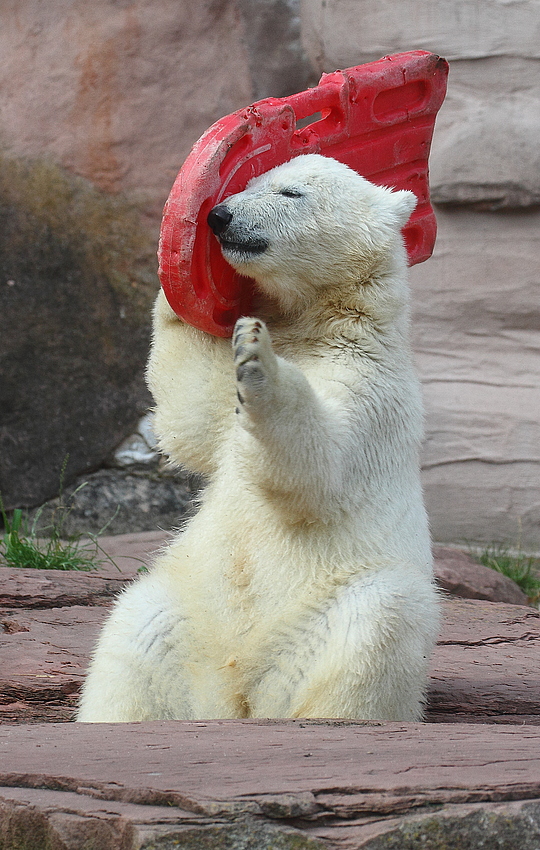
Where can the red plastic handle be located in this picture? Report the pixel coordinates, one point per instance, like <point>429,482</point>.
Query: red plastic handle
<point>377,118</point>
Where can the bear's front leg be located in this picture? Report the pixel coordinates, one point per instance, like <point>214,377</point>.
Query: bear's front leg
<point>298,442</point>
<point>190,376</point>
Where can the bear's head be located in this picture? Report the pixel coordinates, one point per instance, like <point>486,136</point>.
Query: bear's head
<point>313,225</point>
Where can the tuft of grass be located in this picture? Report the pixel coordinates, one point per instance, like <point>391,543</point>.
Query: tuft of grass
<point>523,569</point>
<point>48,548</point>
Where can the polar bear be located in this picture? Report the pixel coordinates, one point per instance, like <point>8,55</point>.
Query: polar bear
<point>303,586</point>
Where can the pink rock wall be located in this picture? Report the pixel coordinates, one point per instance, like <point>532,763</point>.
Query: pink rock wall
<point>118,92</point>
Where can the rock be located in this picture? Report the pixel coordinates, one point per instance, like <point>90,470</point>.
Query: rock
<point>122,501</point>
<point>119,560</point>
<point>55,589</point>
<point>474,334</point>
<point>140,448</point>
<point>128,89</point>
<point>49,622</point>
<point>486,666</point>
<point>44,656</point>
<point>128,552</point>
<point>74,327</point>
<point>485,154</point>
<point>455,30</point>
<point>299,784</point>
<point>460,575</point>
<point>272,29</point>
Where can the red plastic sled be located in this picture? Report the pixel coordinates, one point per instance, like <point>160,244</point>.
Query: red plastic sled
<point>377,118</point>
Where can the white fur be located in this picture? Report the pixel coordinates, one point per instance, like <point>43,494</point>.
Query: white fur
<point>303,587</point>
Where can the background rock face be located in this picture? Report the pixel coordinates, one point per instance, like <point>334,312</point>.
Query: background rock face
<point>117,92</point>
<point>74,327</point>
<point>134,84</point>
<point>476,323</point>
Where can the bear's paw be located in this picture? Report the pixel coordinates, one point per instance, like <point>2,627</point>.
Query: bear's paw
<point>256,364</point>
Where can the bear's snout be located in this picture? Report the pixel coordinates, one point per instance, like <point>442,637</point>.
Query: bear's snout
<point>218,218</point>
<point>238,239</point>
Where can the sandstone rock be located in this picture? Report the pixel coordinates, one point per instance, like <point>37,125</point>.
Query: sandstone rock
<point>298,784</point>
<point>272,29</point>
<point>127,90</point>
<point>30,589</point>
<point>457,30</point>
<point>475,337</point>
<point>44,656</point>
<point>460,575</point>
<point>49,622</point>
<point>485,154</point>
<point>127,552</point>
<point>486,666</point>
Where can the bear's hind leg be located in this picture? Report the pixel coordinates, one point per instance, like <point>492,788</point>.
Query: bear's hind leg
<point>136,672</point>
<point>152,663</point>
<point>363,656</point>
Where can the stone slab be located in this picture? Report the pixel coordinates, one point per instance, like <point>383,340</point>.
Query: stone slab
<point>44,657</point>
<point>460,575</point>
<point>30,589</point>
<point>486,664</point>
<point>123,556</point>
<point>302,784</point>
<point>131,551</point>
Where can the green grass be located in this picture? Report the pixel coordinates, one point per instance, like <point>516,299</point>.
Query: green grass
<point>523,569</point>
<point>46,548</point>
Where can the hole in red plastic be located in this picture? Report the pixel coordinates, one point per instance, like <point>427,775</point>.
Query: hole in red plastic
<point>400,100</point>
<point>321,126</point>
<point>309,119</point>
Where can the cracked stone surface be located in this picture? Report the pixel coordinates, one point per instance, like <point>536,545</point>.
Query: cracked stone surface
<point>468,777</point>
<point>294,784</point>
<point>486,665</point>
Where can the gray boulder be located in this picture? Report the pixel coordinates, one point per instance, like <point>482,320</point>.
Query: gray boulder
<point>76,289</point>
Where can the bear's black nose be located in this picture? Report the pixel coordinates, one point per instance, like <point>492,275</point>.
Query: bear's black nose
<point>219,218</point>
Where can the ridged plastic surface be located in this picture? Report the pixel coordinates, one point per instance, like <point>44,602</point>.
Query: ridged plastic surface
<point>377,118</point>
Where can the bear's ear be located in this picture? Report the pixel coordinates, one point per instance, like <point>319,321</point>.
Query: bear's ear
<point>402,203</point>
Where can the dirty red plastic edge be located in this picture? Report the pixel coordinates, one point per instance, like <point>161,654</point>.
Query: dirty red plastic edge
<point>377,118</point>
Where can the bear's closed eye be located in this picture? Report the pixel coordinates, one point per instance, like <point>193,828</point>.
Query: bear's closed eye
<point>291,193</point>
